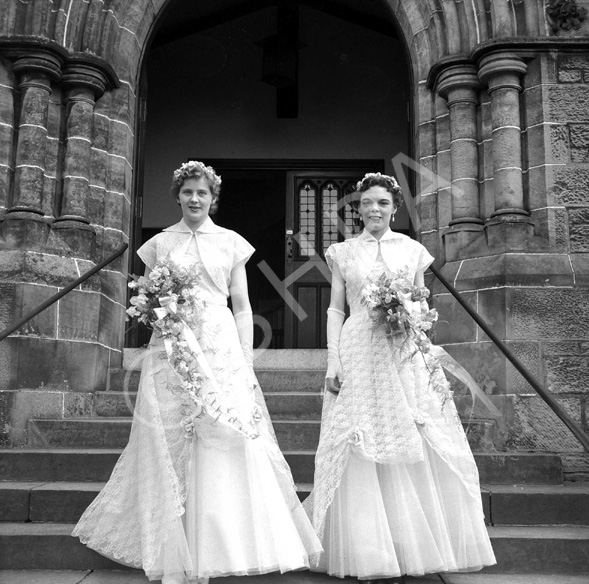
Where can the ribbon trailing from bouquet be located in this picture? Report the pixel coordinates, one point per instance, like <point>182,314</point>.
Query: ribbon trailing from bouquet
<point>457,370</point>
<point>208,403</point>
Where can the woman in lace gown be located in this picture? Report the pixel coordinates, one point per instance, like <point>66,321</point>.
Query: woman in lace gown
<point>396,488</point>
<point>220,501</point>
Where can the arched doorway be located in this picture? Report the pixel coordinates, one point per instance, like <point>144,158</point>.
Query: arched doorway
<point>268,93</point>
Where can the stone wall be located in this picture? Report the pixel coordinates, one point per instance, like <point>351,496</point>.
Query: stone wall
<point>66,154</point>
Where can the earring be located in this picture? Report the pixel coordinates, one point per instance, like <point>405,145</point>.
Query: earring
<point>392,217</point>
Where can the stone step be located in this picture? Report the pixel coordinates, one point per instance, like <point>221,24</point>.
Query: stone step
<point>555,550</point>
<point>114,433</point>
<point>59,502</point>
<point>64,502</point>
<point>292,434</point>
<point>282,406</point>
<point>77,464</point>
<point>271,380</point>
<point>95,465</point>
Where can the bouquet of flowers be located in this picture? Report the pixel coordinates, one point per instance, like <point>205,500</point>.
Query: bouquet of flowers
<point>390,302</point>
<point>167,300</point>
<point>168,295</point>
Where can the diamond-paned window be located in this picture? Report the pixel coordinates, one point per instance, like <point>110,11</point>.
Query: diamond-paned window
<point>331,217</point>
<point>307,219</point>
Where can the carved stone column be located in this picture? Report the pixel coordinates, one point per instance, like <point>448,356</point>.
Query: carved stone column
<point>510,223</point>
<point>459,84</point>
<point>24,224</point>
<point>84,83</point>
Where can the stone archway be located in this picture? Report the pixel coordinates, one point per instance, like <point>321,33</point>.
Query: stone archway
<point>488,77</point>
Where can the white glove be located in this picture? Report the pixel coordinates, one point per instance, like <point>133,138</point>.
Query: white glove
<point>335,321</point>
<point>245,330</point>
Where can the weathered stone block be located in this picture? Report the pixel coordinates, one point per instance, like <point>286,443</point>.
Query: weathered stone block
<point>79,316</point>
<point>111,323</point>
<point>76,405</point>
<point>575,466</point>
<point>23,405</point>
<point>580,155</point>
<point>454,324</point>
<point>485,364</point>
<point>442,136</point>
<point>29,297</point>
<point>111,241</point>
<point>571,186</point>
<point>427,138</point>
<point>578,62</point>
<point>552,225</point>
<point>579,135</point>
<point>116,179</point>
<point>6,106</point>
<point>95,204</point>
<point>117,139</point>
<point>5,182</point>
<point>100,129</point>
<point>574,76</point>
<point>98,167</point>
<point>549,313</point>
<point>567,374</point>
<point>568,103</point>
<point>77,162</point>
<point>54,114</point>
<point>579,230</point>
<point>535,106</point>
<point>113,209</point>
<point>580,262</point>
<point>529,355</point>
<point>428,211</point>
<point>559,144</point>
<point>48,269</point>
<point>536,427</point>
<point>59,364</point>
<point>560,348</point>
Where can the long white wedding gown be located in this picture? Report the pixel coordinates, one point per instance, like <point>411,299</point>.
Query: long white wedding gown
<point>396,487</point>
<point>188,509</point>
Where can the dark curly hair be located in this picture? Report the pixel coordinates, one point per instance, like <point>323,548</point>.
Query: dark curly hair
<point>389,183</point>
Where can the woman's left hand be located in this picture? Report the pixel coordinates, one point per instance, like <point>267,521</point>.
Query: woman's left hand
<point>332,385</point>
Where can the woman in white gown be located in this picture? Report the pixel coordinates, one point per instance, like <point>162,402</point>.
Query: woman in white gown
<point>396,488</point>
<point>220,501</point>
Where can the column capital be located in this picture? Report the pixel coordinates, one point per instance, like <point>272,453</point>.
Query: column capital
<point>502,70</point>
<point>458,83</point>
<point>89,72</point>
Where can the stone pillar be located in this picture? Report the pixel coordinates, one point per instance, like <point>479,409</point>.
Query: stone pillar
<point>24,224</point>
<point>510,225</point>
<point>84,84</point>
<point>459,85</point>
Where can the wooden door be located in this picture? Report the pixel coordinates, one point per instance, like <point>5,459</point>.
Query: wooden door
<point>318,213</point>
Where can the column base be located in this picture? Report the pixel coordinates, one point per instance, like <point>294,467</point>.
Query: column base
<point>510,230</point>
<point>24,230</point>
<point>467,233</point>
<point>74,237</point>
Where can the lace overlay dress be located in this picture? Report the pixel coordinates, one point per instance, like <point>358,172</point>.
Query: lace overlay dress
<point>396,488</point>
<point>220,503</point>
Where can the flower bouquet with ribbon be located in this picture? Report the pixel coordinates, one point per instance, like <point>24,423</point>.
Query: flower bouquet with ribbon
<point>391,302</point>
<point>167,300</point>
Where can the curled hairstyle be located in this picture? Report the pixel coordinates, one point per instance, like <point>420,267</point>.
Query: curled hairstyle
<point>196,169</point>
<point>389,183</point>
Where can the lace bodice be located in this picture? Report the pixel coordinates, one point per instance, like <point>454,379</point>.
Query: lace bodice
<point>356,259</point>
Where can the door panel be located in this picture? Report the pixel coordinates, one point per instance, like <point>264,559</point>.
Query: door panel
<point>319,212</point>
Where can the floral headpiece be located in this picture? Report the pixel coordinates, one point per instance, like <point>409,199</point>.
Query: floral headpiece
<point>195,168</point>
<point>374,177</point>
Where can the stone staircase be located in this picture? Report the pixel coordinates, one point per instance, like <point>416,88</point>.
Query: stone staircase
<point>538,524</point>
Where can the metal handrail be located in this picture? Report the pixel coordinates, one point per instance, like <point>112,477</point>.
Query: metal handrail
<point>16,325</point>
<point>546,395</point>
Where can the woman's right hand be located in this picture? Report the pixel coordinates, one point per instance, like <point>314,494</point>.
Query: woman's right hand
<point>332,385</point>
